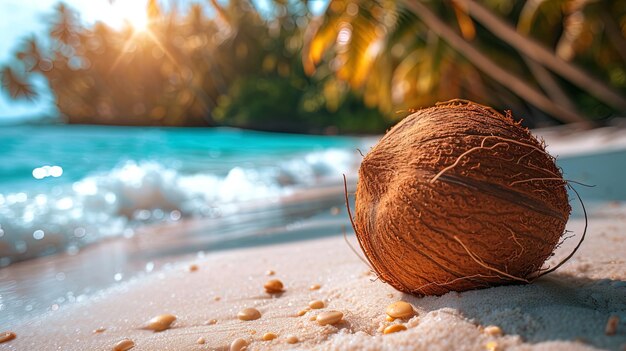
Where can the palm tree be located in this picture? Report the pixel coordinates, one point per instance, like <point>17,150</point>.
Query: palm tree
<point>412,53</point>
<point>238,68</point>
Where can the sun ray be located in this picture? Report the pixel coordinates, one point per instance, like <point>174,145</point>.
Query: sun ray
<point>127,45</point>
<point>142,30</point>
<point>160,45</point>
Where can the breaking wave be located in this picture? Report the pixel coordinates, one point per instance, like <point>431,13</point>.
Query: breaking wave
<point>136,193</point>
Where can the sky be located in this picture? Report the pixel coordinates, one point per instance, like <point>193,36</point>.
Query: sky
<point>20,18</point>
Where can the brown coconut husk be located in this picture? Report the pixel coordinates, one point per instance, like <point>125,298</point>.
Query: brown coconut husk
<point>459,197</point>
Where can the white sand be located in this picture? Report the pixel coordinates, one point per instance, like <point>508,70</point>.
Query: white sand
<point>567,310</point>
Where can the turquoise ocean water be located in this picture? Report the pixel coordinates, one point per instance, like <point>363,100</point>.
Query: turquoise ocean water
<point>62,187</point>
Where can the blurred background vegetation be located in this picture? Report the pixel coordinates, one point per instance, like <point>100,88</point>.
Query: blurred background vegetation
<point>357,68</point>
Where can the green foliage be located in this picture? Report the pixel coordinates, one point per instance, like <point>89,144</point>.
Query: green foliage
<point>409,54</point>
<point>296,107</point>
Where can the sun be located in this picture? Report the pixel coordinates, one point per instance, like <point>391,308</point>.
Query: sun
<point>133,12</point>
<point>129,12</point>
<point>139,23</point>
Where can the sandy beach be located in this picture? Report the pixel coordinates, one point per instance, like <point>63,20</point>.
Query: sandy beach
<point>567,310</point>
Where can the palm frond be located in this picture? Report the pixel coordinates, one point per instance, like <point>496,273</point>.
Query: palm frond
<point>30,54</point>
<point>16,86</point>
<point>65,27</point>
<point>531,49</point>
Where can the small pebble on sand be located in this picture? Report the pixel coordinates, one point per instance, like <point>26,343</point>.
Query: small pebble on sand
<point>492,346</point>
<point>273,286</point>
<point>269,336</point>
<point>493,330</point>
<point>394,328</point>
<point>161,322</point>
<point>329,317</point>
<point>611,325</point>
<point>124,345</point>
<point>249,314</point>
<point>316,304</point>
<point>400,309</point>
<point>7,336</point>
<point>238,344</point>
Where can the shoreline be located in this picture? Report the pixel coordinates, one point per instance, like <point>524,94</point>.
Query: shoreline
<point>36,286</point>
<point>566,310</point>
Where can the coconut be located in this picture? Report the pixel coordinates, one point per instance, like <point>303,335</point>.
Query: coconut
<point>456,197</point>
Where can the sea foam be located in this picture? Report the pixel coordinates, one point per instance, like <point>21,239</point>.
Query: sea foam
<point>137,193</point>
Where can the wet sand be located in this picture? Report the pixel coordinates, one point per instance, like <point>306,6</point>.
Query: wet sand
<point>30,288</point>
<point>566,310</point>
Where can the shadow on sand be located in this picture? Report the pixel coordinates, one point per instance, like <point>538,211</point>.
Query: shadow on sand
<point>556,307</point>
